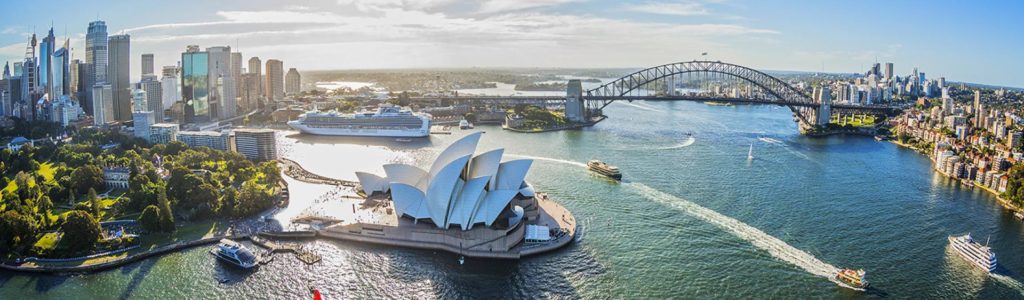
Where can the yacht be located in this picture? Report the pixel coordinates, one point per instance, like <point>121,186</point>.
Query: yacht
<point>974,252</point>
<point>852,278</point>
<point>234,253</point>
<point>604,169</point>
<point>387,121</point>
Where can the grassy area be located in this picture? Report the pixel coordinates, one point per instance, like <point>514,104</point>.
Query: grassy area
<point>45,169</point>
<point>48,241</point>
<point>855,121</point>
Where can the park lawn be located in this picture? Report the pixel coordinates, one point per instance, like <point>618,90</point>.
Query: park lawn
<point>46,169</point>
<point>48,241</point>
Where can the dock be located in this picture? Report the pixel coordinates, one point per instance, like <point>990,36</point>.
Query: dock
<point>306,256</point>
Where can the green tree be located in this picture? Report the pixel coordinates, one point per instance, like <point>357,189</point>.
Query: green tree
<point>81,231</point>
<point>166,215</point>
<point>43,208</point>
<point>150,219</point>
<point>16,230</point>
<point>87,177</point>
<point>94,203</point>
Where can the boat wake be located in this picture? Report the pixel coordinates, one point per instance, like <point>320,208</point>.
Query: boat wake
<point>548,159</point>
<point>689,141</point>
<point>643,107</point>
<point>769,140</point>
<point>1009,281</point>
<point>774,246</point>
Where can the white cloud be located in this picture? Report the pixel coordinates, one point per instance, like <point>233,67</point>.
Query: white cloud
<point>497,6</point>
<point>682,8</point>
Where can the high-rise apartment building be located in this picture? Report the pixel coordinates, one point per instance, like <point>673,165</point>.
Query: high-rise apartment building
<point>274,85</point>
<point>147,64</point>
<point>154,96</point>
<point>251,92</point>
<point>118,72</point>
<point>292,82</point>
<point>222,82</point>
<point>169,87</point>
<point>888,71</point>
<point>256,144</point>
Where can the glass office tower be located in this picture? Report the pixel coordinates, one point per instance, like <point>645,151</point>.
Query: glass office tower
<point>195,85</point>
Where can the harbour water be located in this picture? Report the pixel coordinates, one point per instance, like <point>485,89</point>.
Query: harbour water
<point>693,218</point>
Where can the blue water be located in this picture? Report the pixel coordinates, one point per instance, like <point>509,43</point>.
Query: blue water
<point>693,218</point>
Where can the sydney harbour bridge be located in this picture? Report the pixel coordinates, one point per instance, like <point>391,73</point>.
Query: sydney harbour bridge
<point>700,81</point>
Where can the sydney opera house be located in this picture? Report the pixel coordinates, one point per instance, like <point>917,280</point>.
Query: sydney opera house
<point>467,203</point>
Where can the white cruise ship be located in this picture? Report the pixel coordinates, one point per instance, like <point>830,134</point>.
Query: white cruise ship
<point>981,256</point>
<point>387,121</point>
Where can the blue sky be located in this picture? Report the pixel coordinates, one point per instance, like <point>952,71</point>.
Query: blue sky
<point>976,41</point>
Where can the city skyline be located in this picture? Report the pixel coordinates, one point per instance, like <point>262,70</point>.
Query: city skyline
<point>327,35</point>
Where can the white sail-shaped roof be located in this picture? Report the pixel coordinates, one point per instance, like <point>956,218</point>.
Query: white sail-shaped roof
<point>486,164</point>
<point>459,189</point>
<point>409,201</point>
<point>406,174</point>
<point>442,188</point>
<point>372,183</point>
<point>462,147</point>
<point>493,204</point>
<point>512,173</point>
<point>462,209</point>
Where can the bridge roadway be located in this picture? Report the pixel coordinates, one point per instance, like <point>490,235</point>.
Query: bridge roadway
<point>533,99</point>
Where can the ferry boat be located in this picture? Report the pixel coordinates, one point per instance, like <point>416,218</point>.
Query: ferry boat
<point>234,253</point>
<point>604,169</point>
<point>974,252</point>
<point>465,124</point>
<point>852,278</point>
<point>387,121</point>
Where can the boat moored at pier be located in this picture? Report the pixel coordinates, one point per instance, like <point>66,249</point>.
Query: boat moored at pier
<point>387,121</point>
<point>236,254</point>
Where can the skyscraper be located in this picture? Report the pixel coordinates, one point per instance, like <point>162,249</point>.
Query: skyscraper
<point>61,70</point>
<point>118,68</point>
<point>147,64</point>
<point>195,85</point>
<point>977,108</point>
<point>256,67</point>
<point>888,71</point>
<point>169,86</point>
<point>95,61</point>
<point>46,49</point>
<point>154,96</point>
<point>251,92</point>
<point>292,82</point>
<point>275,81</point>
<point>222,83</point>
<point>236,71</point>
<point>74,80</point>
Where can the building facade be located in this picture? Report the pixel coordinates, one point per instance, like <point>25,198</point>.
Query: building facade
<point>162,133</point>
<point>195,85</point>
<point>119,70</point>
<point>274,85</point>
<point>209,139</point>
<point>292,82</point>
<point>256,144</point>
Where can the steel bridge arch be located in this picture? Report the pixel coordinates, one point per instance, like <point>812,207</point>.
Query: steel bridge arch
<point>783,92</point>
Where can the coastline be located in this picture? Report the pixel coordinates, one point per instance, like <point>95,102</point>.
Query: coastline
<point>1005,203</point>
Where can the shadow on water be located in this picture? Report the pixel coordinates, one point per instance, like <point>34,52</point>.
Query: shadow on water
<point>142,270</point>
<point>45,283</point>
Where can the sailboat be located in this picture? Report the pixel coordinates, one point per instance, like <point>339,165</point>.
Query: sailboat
<point>750,153</point>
